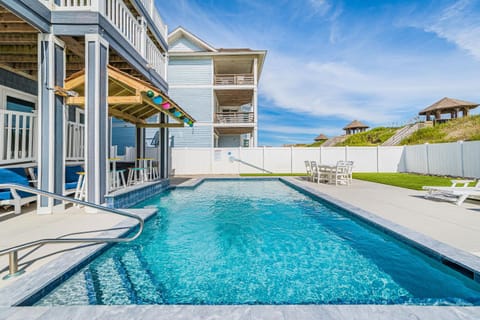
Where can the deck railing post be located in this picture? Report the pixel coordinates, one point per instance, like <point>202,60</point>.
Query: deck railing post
<point>13,265</point>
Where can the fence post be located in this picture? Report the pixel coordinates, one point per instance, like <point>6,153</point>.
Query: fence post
<point>378,159</point>
<point>321,152</point>
<point>346,153</point>
<point>263,158</point>
<point>462,166</point>
<point>291,159</point>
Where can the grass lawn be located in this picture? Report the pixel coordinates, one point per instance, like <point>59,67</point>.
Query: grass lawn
<point>404,180</point>
<point>272,174</point>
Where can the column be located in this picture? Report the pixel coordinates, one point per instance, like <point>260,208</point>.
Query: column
<point>140,141</point>
<point>96,118</point>
<point>255,103</point>
<point>163,148</point>
<point>51,166</point>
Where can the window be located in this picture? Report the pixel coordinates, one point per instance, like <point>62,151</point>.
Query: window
<point>15,104</point>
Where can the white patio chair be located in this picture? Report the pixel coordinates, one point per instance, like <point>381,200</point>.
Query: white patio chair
<point>340,174</point>
<point>309,170</point>
<point>350,171</point>
<point>314,168</point>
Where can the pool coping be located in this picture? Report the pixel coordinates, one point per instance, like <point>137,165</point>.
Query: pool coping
<point>371,312</point>
<point>30,285</point>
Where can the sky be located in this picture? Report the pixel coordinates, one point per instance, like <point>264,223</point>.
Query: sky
<point>330,62</point>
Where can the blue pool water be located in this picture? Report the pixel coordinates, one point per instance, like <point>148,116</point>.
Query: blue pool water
<point>260,242</point>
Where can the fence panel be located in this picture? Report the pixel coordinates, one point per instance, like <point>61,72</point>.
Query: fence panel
<point>300,155</point>
<point>416,159</point>
<point>444,159</point>
<point>277,160</point>
<point>364,158</point>
<point>191,161</point>
<point>471,159</point>
<point>252,160</point>
<point>391,159</point>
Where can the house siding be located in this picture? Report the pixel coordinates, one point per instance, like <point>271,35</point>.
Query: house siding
<point>183,45</point>
<point>195,137</point>
<point>190,72</point>
<point>15,81</point>
<point>197,101</point>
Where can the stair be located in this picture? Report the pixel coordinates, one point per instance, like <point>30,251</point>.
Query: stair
<point>333,141</point>
<point>403,133</point>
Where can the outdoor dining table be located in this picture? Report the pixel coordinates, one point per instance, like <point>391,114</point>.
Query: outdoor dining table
<point>325,172</point>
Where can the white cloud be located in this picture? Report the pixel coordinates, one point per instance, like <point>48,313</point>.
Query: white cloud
<point>459,25</point>
<point>329,131</point>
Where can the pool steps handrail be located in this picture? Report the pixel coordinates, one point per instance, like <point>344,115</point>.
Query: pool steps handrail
<point>13,251</point>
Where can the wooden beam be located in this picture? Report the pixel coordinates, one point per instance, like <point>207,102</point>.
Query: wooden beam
<point>17,28</point>
<point>161,125</point>
<point>18,49</point>
<point>125,117</point>
<point>23,74</point>
<point>128,100</point>
<point>12,58</point>
<point>75,46</point>
<point>6,17</point>
<point>16,39</point>
<point>75,82</point>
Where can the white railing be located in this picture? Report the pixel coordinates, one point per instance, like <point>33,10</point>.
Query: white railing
<point>234,79</point>
<point>118,13</point>
<point>75,144</point>
<point>234,117</point>
<point>17,138</point>
<point>155,58</point>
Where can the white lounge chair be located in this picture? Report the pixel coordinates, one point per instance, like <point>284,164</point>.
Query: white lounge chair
<point>458,192</point>
<point>12,197</point>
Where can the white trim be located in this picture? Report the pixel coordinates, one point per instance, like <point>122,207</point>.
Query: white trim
<point>194,86</point>
<point>189,36</point>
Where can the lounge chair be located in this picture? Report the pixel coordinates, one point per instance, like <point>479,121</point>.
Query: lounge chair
<point>458,192</point>
<point>71,177</point>
<point>11,197</point>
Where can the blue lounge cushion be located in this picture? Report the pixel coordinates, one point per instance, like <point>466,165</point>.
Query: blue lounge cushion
<point>13,175</point>
<point>71,174</point>
<point>71,185</point>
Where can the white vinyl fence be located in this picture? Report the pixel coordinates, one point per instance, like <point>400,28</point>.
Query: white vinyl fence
<point>459,159</point>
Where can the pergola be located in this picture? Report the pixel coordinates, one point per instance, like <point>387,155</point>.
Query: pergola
<point>448,106</point>
<point>355,127</point>
<point>321,137</point>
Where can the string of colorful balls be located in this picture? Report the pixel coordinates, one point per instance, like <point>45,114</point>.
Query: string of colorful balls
<point>168,106</point>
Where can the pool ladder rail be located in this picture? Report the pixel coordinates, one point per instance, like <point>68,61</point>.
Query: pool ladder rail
<point>13,251</point>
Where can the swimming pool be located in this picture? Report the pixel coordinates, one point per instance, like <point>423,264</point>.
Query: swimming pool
<point>261,242</point>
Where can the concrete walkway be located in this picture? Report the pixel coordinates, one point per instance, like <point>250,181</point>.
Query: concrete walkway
<point>458,226</point>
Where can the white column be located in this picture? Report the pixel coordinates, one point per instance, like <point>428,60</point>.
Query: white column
<point>255,103</point>
<point>51,154</point>
<point>96,117</point>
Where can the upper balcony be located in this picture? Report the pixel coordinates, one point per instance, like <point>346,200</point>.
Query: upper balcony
<point>128,18</point>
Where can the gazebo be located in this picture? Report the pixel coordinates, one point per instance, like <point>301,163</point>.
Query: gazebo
<point>321,137</point>
<point>355,127</point>
<point>448,106</point>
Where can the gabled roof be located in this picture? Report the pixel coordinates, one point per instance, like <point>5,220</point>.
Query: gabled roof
<point>449,103</point>
<point>129,99</point>
<point>321,137</point>
<point>181,32</point>
<point>355,124</point>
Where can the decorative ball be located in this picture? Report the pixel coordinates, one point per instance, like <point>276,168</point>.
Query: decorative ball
<point>186,120</point>
<point>157,100</point>
<point>191,124</point>
<point>150,93</point>
<point>177,114</point>
<point>166,105</point>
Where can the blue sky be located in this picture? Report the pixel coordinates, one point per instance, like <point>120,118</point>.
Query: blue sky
<point>330,62</point>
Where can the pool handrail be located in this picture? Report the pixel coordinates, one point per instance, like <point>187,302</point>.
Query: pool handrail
<point>13,251</point>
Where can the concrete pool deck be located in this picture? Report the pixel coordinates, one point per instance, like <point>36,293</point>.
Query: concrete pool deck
<point>457,226</point>
<point>445,222</point>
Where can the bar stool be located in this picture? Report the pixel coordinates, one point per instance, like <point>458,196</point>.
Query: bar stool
<point>117,177</point>
<point>135,175</point>
<point>81,186</point>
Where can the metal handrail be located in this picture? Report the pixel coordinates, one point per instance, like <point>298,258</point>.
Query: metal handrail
<point>13,251</point>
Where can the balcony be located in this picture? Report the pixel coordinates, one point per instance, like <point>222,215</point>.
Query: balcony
<point>131,26</point>
<point>234,79</point>
<point>234,117</point>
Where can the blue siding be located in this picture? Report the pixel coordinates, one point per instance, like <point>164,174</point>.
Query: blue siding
<point>183,45</point>
<point>198,136</point>
<point>190,72</point>
<point>196,101</point>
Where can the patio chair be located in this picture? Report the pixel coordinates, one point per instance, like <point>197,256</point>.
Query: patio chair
<point>350,171</point>
<point>309,170</point>
<point>314,170</point>
<point>458,192</point>
<point>340,174</point>
<point>13,197</point>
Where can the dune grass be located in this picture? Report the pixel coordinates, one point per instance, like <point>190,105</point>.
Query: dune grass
<point>404,180</point>
<point>372,137</point>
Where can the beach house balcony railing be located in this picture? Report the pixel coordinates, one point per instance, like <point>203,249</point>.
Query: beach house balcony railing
<point>17,138</point>
<point>234,79</point>
<point>75,146</point>
<point>234,117</point>
<point>129,25</point>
